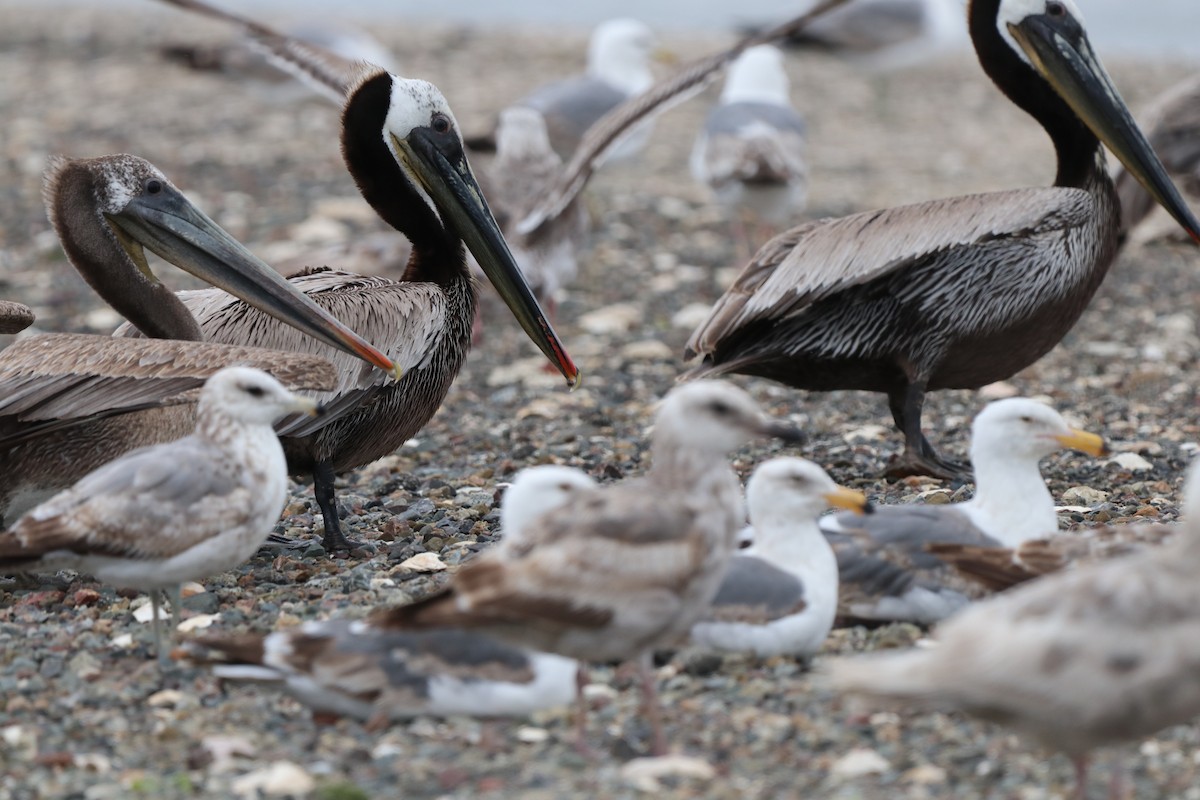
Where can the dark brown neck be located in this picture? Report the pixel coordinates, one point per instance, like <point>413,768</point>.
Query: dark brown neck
<point>437,254</point>
<point>1074,143</point>
<point>91,246</point>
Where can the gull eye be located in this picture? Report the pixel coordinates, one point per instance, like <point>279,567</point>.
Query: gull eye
<point>440,123</point>
<point>720,408</point>
<point>153,186</point>
<point>254,391</point>
<point>1026,418</point>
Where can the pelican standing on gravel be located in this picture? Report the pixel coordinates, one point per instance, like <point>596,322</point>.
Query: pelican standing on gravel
<point>621,569</point>
<point>162,515</point>
<point>750,152</point>
<point>954,293</point>
<point>402,146</point>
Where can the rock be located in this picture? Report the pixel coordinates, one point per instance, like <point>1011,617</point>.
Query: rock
<point>203,603</point>
<point>998,391</point>
<point>280,779</point>
<point>647,350</point>
<point>690,316</point>
<point>223,751</point>
<point>1084,495</point>
<point>1131,462</point>
<point>423,562</point>
<point>616,318</point>
<point>643,774</point>
<point>198,622</point>
<point>531,735</point>
<point>858,762</point>
<point>866,433</point>
<point>85,666</point>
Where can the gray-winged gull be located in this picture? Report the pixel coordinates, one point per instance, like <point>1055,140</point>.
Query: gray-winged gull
<point>886,571</point>
<point>621,569</point>
<point>1097,656</point>
<point>173,512</point>
<point>620,52</point>
<point>780,596</point>
<point>750,152</point>
<point>355,669</point>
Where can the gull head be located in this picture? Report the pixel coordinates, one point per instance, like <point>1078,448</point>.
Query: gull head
<point>716,417</point>
<point>536,491</point>
<point>250,396</point>
<point>1025,430</point>
<point>798,490</point>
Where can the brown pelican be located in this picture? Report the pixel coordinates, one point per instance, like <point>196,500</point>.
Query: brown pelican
<point>954,293</point>
<point>750,152</point>
<point>402,146</point>
<point>1173,128</point>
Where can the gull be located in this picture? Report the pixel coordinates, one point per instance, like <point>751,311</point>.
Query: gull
<point>780,597</point>
<point>750,152</point>
<point>174,512</point>
<point>523,169</point>
<point>621,569</point>
<point>886,571</point>
<point>888,34</point>
<point>1079,660</point>
<point>618,68</point>
<point>999,568</point>
<point>352,668</point>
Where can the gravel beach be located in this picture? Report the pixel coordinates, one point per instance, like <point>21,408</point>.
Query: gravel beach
<point>83,712</point>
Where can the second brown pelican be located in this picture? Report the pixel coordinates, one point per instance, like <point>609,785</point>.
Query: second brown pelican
<point>402,146</point>
<point>954,293</point>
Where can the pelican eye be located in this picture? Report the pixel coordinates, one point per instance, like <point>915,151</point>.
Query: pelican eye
<point>440,123</point>
<point>153,186</point>
<point>1056,9</point>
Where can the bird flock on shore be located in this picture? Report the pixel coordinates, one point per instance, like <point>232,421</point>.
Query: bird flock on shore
<point>160,455</point>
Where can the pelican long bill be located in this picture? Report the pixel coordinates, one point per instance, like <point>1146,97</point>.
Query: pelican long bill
<point>1060,50</point>
<point>168,224</point>
<point>453,187</point>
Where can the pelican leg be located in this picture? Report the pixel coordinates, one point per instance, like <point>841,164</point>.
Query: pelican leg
<point>919,457</point>
<point>323,488</point>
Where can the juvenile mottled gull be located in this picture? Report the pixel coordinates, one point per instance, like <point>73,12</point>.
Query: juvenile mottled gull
<point>359,670</point>
<point>750,151</point>
<point>1084,659</point>
<point>623,568</point>
<point>174,512</point>
<point>886,571</point>
<point>780,596</point>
